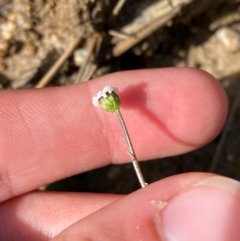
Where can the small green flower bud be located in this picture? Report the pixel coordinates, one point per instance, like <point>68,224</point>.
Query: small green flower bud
<point>111,102</point>
<point>107,99</point>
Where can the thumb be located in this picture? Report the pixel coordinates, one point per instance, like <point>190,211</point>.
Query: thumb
<point>181,208</point>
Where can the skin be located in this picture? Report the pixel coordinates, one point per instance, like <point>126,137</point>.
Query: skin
<point>53,133</point>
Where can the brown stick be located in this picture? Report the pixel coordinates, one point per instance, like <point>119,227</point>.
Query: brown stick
<point>90,48</point>
<point>56,66</point>
<point>125,45</point>
<point>118,34</point>
<point>118,7</point>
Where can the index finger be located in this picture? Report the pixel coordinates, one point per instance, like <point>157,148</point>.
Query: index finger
<point>53,133</point>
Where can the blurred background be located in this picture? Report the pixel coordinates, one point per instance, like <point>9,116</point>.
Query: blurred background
<point>62,42</point>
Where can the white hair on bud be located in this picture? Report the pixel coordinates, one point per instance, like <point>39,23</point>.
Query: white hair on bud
<point>103,94</point>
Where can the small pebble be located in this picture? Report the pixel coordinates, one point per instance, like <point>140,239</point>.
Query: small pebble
<point>229,38</point>
<point>79,56</point>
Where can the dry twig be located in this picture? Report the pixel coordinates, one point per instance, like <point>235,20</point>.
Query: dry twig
<point>125,45</point>
<point>91,69</point>
<point>118,7</point>
<point>56,66</point>
<point>93,48</point>
<point>118,34</point>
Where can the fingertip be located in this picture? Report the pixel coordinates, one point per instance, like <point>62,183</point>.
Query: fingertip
<point>177,109</point>
<point>213,200</point>
<point>203,108</point>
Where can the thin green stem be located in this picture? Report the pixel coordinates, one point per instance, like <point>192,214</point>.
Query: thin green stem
<point>131,150</point>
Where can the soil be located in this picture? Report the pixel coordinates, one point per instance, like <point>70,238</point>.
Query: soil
<point>143,34</point>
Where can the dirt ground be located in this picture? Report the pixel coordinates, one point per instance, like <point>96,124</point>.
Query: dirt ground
<point>61,42</point>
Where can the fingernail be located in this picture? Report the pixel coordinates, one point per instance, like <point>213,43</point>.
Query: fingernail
<point>208,211</point>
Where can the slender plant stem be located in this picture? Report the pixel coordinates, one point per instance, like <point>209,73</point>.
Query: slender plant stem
<point>131,150</point>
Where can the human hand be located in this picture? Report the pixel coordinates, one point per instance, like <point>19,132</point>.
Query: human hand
<point>51,133</point>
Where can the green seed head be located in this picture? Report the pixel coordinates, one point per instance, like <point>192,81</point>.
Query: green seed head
<point>111,103</point>
<point>107,99</point>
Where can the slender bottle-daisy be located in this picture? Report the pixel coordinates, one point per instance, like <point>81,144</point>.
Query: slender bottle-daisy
<point>108,100</point>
